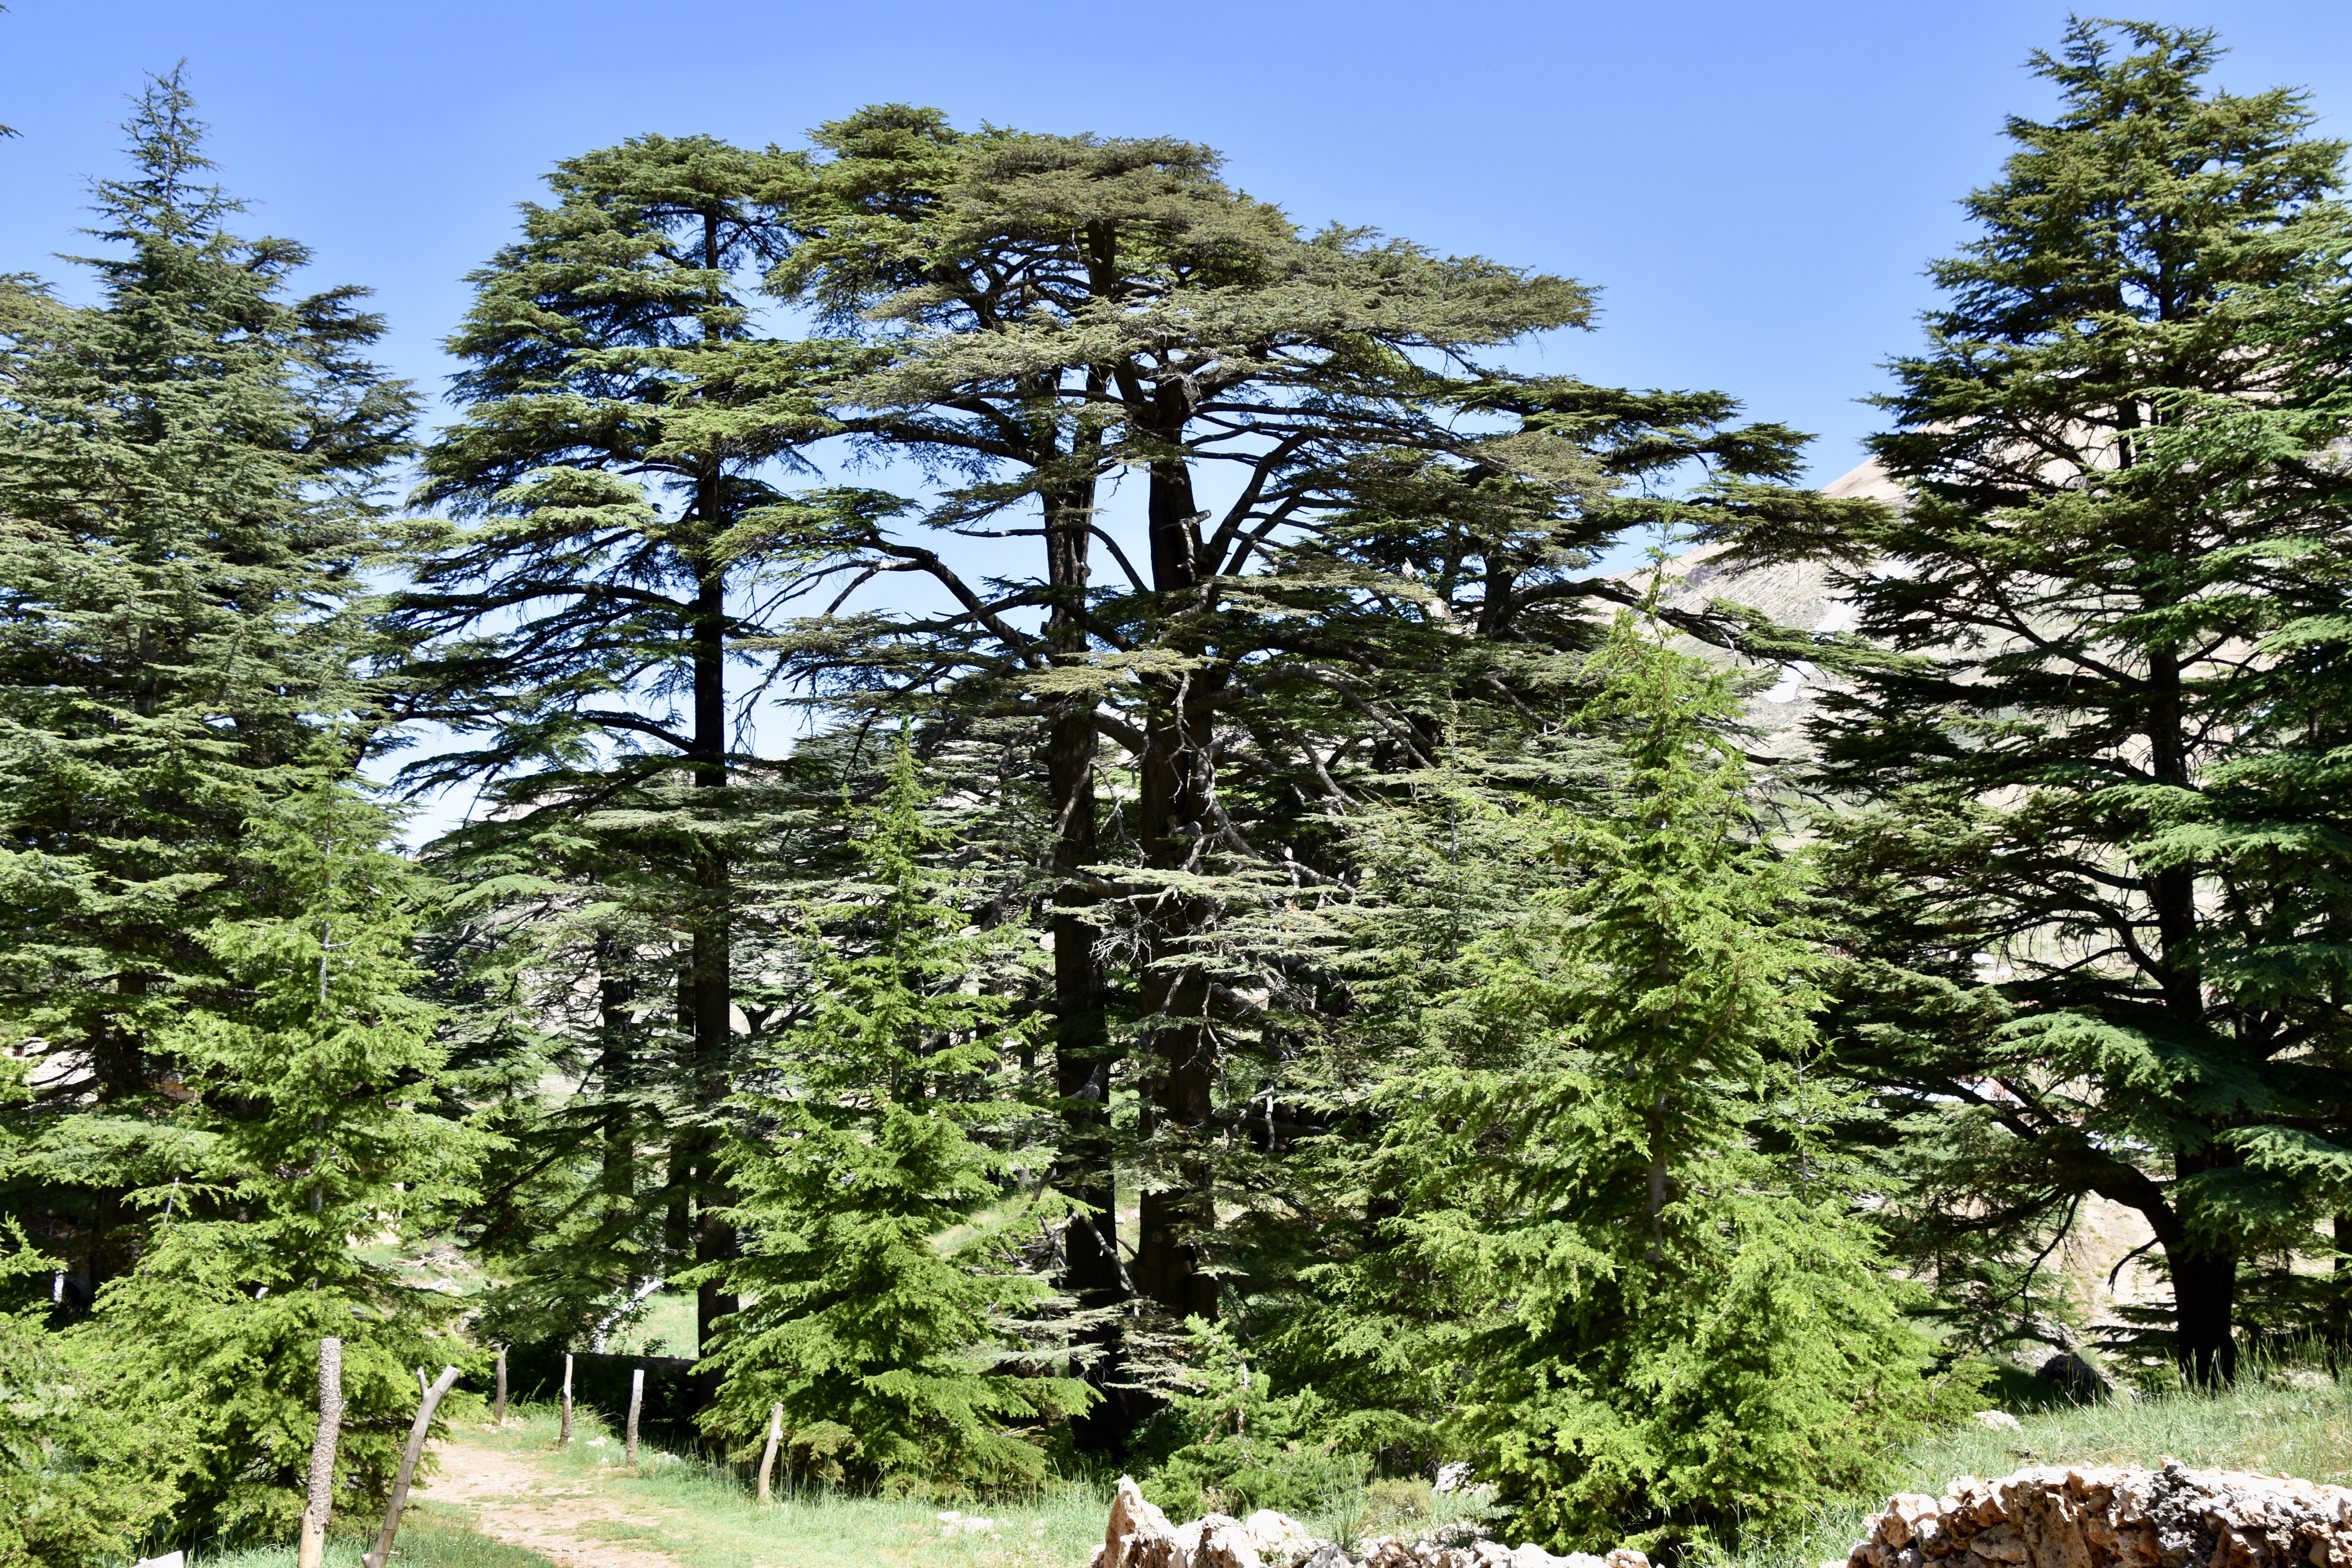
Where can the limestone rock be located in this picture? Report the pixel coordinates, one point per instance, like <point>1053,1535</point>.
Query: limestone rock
<point>1278,1537</point>
<point>1139,1536</point>
<point>2112,1517</point>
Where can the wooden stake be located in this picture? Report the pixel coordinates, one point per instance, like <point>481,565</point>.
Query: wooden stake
<point>636,1400</point>
<point>415,1449</point>
<point>498,1411</point>
<point>563,1437</point>
<point>767,1460</point>
<point>321,1490</point>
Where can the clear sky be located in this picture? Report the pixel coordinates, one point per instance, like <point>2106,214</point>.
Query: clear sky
<point>1753,187</point>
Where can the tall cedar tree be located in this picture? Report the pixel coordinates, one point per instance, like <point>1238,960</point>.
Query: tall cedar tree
<point>1674,1328</point>
<point>1050,312</point>
<point>185,470</point>
<point>582,625</point>
<point>876,1265</point>
<point>2057,786</point>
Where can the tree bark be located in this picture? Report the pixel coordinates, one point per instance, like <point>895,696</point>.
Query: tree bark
<point>1180,1052</point>
<point>426,1405</point>
<point>711,980</point>
<point>1082,1048</point>
<point>320,1494</point>
<point>767,1454</point>
<point>2204,1296</point>
<point>564,1433</point>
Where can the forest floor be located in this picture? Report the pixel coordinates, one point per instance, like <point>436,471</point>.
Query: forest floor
<point>509,1497</point>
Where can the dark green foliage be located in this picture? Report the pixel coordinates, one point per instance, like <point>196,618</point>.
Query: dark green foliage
<point>879,1224</point>
<point>230,1086</point>
<point>302,1134</point>
<point>184,479</point>
<point>2090,961</point>
<point>584,626</point>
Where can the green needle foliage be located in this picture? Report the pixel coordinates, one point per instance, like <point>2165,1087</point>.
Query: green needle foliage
<point>584,626</point>
<point>185,470</point>
<point>2091,969</point>
<point>78,1476</point>
<point>1681,1317</point>
<point>879,1220</point>
<point>309,1135</point>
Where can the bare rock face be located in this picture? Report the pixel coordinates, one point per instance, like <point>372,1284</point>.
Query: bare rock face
<point>2051,1517</point>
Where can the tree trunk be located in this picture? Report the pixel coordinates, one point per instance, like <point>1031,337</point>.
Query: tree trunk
<point>711,983</point>
<point>1082,1046</point>
<point>2204,1297</point>
<point>427,1404</point>
<point>767,1454</point>
<point>1181,1053</point>
<point>320,1494</point>
<point>636,1404</point>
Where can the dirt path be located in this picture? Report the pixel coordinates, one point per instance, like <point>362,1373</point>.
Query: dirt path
<point>537,1507</point>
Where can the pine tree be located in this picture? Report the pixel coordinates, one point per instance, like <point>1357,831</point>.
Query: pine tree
<point>2081,978</point>
<point>877,1273</point>
<point>585,625</point>
<point>1047,313</point>
<point>311,1127</point>
<point>1682,1318</point>
<point>80,1481</point>
<point>185,480</point>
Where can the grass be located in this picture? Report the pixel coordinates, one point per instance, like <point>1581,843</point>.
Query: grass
<point>709,1517</point>
<point>703,1516</point>
<point>2293,1423</point>
<point>431,1536</point>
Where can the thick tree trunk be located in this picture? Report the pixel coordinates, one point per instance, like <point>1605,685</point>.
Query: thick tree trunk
<point>1082,1045</point>
<point>708,976</point>
<point>2204,1296</point>
<point>1179,1210</point>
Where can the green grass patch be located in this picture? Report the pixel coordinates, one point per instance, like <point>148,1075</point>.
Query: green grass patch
<point>703,1514</point>
<point>2289,1423</point>
<point>432,1535</point>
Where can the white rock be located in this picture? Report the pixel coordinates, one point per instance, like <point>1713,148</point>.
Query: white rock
<point>1999,1420</point>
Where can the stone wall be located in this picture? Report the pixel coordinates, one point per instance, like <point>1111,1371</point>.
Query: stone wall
<point>2081,1517</point>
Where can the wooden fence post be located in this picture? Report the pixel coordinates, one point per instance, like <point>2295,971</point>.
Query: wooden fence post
<point>499,1412</point>
<point>415,1449</point>
<point>775,1437</point>
<point>321,1490</point>
<point>636,1400</point>
<point>563,1437</point>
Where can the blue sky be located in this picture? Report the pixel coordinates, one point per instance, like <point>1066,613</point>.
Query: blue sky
<point>1753,188</point>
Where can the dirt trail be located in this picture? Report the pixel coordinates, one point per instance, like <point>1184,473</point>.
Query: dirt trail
<point>536,1507</point>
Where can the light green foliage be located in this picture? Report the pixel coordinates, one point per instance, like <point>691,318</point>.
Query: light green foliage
<point>886,1343</point>
<point>1250,1447</point>
<point>1682,1317</point>
<point>79,1478</point>
<point>307,1134</point>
